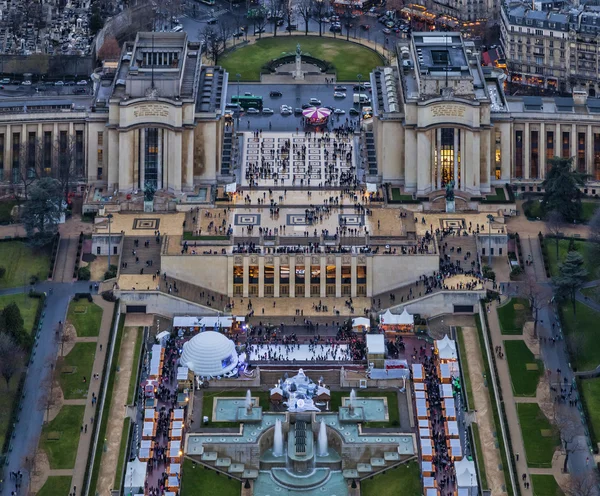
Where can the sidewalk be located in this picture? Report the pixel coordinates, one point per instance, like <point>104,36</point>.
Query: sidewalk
<point>90,411</point>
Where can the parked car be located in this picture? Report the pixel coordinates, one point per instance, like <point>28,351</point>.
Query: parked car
<point>83,82</point>
<point>335,28</point>
<point>339,88</point>
<point>314,101</point>
<point>5,81</point>
<point>59,83</point>
<point>252,110</point>
<point>291,27</point>
<point>354,112</point>
<point>79,91</point>
<point>386,30</point>
<point>359,87</point>
<point>339,111</point>
<point>212,20</point>
<point>275,94</point>
<point>259,31</point>
<point>306,105</point>
<point>339,94</point>
<point>297,111</point>
<point>26,83</point>
<point>365,27</point>
<point>267,111</point>
<point>287,111</point>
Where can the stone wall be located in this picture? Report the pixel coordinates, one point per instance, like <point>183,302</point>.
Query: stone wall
<point>162,304</point>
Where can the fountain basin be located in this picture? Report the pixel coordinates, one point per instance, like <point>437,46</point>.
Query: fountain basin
<point>254,416</point>
<point>351,416</point>
<point>292,480</point>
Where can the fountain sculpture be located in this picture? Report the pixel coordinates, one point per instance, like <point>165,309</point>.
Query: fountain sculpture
<point>248,402</point>
<point>278,439</point>
<point>352,403</point>
<point>323,450</point>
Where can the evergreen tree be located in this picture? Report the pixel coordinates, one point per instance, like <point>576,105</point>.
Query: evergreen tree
<point>572,276</point>
<point>43,210</point>
<point>562,193</point>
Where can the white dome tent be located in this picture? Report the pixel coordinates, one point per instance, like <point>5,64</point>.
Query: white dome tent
<point>209,354</point>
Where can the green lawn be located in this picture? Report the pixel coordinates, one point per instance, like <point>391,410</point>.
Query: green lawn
<point>499,195</point>
<point>56,486</point>
<point>74,367</point>
<point>398,196</point>
<point>525,370</point>
<point>405,480</point>
<point>86,317</point>
<point>28,306</point>
<point>122,453</point>
<point>592,293</point>
<point>581,334</point>
<point>539,436</point>
<point>590,397</point>
<point>208,398</point>
<point>563,249</point>
<point>348,58</point>
<point>66,426</point>
<point>588,208</point>
<point>9,396</point>
<point>392,401</point>
<point>5,211</point>
<point>464,363</point>
<point>197,480</point>
<point>511,318</point>
<point>21,262</point>
<point>545,485</point>
<point>479,452</point>
<point>132,391</point>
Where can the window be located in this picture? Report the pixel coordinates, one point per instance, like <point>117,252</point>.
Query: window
<point>581,152</point>
<point>535,148</point>
<point>2,152</point>
<point>315,274</point>
<point>16,145</point>
<point>566,149</point>
<point>151,157</point>
<point>269,274</point>
<point>549,148</point>
<point>100,138</point>
<point>518,153</point>
<point>31,153</point>
<point>47,151</point>
<point>79,154</point>
<point>498,174</point>
<point>238,274</point>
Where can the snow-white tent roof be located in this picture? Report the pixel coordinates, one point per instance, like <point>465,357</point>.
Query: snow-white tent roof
<point>446,348</point>
<point>135,475</point>
<point>404,318</point>
<point>361,321</point>
<point>376,344</point>
<point>466,476</point>
<point>209,353</point>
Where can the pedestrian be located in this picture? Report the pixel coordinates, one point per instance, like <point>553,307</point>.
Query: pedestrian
<point>85,429</point>
<point>517,456</point>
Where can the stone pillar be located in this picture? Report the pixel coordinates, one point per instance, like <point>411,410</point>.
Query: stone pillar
<point>261,277</point>
<point>276,276</point>
<point>589,151</point>
<point>292,277</point>
<point>8,153</point>
<point>323,261</point>
<point>245,289</point>
<point>125,161</point>
<point>422,162</point>
<point>160,179</point>
<point>456,185</point>
<point>112,162</point>
<point>353,277</point>
<point>505,150</point>
<point>369,276</point>
<point>230,260</point>
<point>338,277</point>
<point>526,152</point>
<point>307,266</point>
<point>463,160</point>
<point>410,160</point>
<point>542,150</point>
<point>485,169</point>
<point>141,165</point>
<point>438,154</point>
<point>189,159</point>
<point>573,136</point>
<point>174,161</point>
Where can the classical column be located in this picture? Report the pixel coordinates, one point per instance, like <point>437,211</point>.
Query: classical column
<point>230,260</point>
<point>174,161</point>
<point>338,277</point>
<point>455,154</point>
<point>370,276</point>
<point>438,154</point>
<point>292,276</point>
<point>542,151</point>
<point>410,160</point>
<point>485,169</point>
<point>526,152</point>
<point>423,163</point>
<point>125,161</point>
<point>189,159</point>
<point>246,287</point>
<point>505,150</point>
<point>276,276</point>
<point>307,272</point>
<point>261,277</point>
<point>112,162</point>
<point>589,151</point>
<point>8,153</point>
<point>353,277</point>
<point>323,261</point>
<point>142,158</point>
<point>573,135</point>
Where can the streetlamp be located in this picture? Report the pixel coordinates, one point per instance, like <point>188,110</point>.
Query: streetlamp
<point>490,218</point>
<point>109,217</point>
<point>360,88</point>
<point>237,124</point>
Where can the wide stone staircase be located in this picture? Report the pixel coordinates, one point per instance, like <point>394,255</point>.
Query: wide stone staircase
<point>144,254</point>
<point>193,293</point>
<point>467,243</point>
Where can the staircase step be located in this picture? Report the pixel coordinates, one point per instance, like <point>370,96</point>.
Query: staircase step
<point>377,462</point>
<point>223,462</point>
<point>209,456</point>
<point>236,468</point>
<point>391,456</point>
<point>364,468</point>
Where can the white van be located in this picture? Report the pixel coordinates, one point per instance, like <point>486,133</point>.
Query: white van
<point>361,98</point>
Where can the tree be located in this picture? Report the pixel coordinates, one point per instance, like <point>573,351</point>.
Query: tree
<point>568,424</point>
<point>67,165</point>
<point>562,191</point>
<point>212,41</point>
<point>572,276</point>
<point>583,484</point>
<point>593,247</point>
<point>43,211</point>
<point>319,12</point>
<point>110,49</point>
<point>347,18</point>
<point>259,18</point>
<point>27,171</point>
<point>305,8</point>
<point>555,224</point>
<point>535,297</point>
<point>11,357</point>
<point>276,7</point>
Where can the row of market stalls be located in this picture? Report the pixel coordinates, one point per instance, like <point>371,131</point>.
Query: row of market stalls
<point>388,322</point>
<point>448,373</point>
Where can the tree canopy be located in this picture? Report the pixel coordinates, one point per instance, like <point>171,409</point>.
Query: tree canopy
<point>562,189</point>
<point>43,211</point>
<point>572,275</point>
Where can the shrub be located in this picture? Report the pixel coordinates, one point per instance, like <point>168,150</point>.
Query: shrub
<point>84,274</point>
<point>109,296</point>
<point>488,273</point>
<point>2,272</point>
<point>111,272</point>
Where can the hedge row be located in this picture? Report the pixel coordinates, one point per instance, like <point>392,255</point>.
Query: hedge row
<point>78,257</point>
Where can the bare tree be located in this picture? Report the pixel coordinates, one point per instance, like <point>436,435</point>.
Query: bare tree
<point>276,7</point>
<point>568,424</point>
<point>319,10</point>
<point>29,462</point>
<point>305,8</point>
<point>347,18</point>
<point>65,338</point>
<point>225,32</point>
<point>555,224</point>
<point>260,22</point>
<point>584,484</point>
<point>11,358</point>
<point>535,297</point>
<point>26,172</point>
<point>49,397</point>
<point>68,162</point>
<point>593,250</point>
<point>213,44</point>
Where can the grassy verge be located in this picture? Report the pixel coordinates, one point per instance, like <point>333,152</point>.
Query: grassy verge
<point>74,368</point>
<point>21,262</point>
<point>56,486</point>
<point>499,195</point>
<point>208,400</point>
<point>581,335</point>
<point>588,209</point>
<point>403,480</point>
<point>106,408</point>
<point>139,340</point>
<point>197,480</point>
<point>392,401</point>
<point>188,236</point>
<point>513,315</point>
<point>590,399</point>
<point>122,453</point>
<point>479,452</point>
<point>563,249</point>
<point>86,318</point>
<point>545,485</point>
<point>60,437</point>
<point>464,364</point>
<point>27,305</point>
<point>494,407</point>
<point>539,436</point>
<point>525,370</point>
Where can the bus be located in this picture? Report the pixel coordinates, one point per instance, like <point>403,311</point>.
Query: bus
<point>248,101</point>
